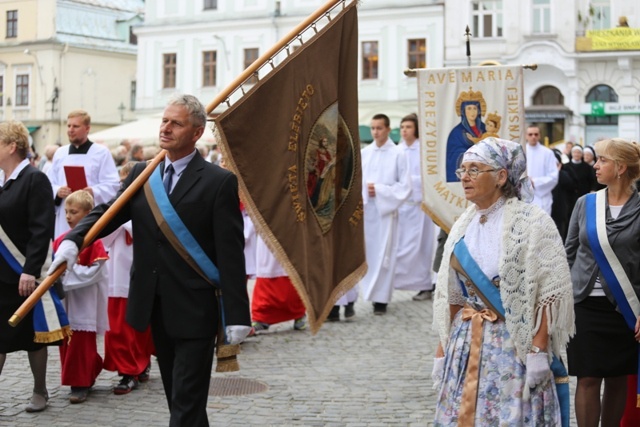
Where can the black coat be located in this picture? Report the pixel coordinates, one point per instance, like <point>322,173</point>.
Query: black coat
<point>562,200</point>
<point>28,219</point>
<point>27,215</point>
<point>206,199</point>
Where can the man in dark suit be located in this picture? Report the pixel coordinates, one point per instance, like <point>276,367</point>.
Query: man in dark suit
<point>166,292</point>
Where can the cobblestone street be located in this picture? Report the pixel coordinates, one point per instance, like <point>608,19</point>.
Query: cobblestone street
<point>372,371</point>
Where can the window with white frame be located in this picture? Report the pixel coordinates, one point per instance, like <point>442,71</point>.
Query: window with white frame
<point>542,16</point>
<point>169,70</point>
<point>250,56</point>
<point>369,60</point>
<point>12,24</point>
<point>22,90</point>
<point>417,53</point>
<point>133,90</point>
<point>487,18</point>
<point>210,4</point>
<point>601,14</point>
<point>209,65</point>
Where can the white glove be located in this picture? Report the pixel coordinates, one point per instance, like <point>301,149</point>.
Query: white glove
<point>237,333</point>
<point>437,373</point>
<point>67,252</point>
<point>537,369</point>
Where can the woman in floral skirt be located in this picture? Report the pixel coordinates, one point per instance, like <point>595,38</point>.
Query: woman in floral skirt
<point>503,299</point>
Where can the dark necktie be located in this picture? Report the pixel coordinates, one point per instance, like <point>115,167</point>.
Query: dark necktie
<point>168,176</point>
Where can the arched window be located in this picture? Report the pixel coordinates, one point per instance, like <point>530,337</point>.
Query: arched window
<point>602,93</point>
<point>548,95</point>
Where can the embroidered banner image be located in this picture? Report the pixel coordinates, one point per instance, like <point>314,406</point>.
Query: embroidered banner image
<point>458,108</point>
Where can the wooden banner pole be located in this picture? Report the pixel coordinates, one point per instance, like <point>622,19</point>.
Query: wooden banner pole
<point>93,232</point>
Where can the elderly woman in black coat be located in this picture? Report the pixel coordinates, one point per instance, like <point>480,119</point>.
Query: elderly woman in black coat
<point>26,229</point>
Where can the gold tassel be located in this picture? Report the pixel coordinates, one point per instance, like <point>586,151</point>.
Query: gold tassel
<point>227,360</point>
<point>225,353</point>
<point>637,400</point>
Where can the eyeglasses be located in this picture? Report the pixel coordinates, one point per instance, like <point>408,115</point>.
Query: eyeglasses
<point>473,172</point>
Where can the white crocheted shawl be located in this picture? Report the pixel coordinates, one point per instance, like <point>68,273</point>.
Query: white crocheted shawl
<point>534,276</point>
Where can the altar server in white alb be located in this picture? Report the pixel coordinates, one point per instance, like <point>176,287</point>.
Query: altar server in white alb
<point>99,167</point>
<point>416,231</point>
<point>541,169</point>
<point>386,185</point>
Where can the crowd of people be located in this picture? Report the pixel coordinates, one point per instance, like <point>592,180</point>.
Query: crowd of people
<point>131,284</point>
<point>544,260</point>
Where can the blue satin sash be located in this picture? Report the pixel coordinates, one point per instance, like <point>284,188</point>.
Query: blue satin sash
<point>11,260</point>
<point>184,238</point>
<point>482,283</point>
<point>50,321</point>
<point>610,267</point>
<point>596,232</point>
<point>180,230</point>
<point>491,295</point>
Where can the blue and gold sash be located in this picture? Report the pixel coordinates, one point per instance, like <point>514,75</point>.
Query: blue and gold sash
<point>610,267</point>
<point>487,291</point>
<point>490,295</point>
<point>50,321</point>
<point>174,229</point>
<point>180,237</point>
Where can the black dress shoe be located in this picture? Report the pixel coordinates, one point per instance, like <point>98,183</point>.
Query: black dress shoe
<point>334,315</point>
<point>349,311</point>
<point>143,377</point>
<point>379,308</point>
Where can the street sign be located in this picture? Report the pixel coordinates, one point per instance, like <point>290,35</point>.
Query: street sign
<point>597,108</point>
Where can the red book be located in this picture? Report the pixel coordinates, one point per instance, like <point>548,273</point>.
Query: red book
<point>76,179</point>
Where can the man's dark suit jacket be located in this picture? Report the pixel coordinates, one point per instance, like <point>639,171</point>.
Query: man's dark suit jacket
<point>206,199</point>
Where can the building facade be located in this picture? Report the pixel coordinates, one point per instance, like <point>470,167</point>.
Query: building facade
<point>219,39</point>
<point>587,82</point>
<point>61,55</point>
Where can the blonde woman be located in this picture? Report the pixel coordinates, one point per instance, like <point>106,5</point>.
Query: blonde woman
<point>603,249</point>
<point>27,220</point>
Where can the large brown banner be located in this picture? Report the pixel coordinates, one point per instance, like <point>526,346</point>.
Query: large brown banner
<point>293,142</point>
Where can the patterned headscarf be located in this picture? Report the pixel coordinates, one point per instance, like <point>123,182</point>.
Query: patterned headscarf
<point>504,154</point>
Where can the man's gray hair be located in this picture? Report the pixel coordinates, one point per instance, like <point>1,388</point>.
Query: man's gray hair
<point>195,108</point>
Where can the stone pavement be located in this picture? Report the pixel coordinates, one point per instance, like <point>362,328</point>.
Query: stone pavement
<point>372,371</point>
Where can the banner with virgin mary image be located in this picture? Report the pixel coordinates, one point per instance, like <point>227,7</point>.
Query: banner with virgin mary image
<point>457,109</point>
<point>293,142</point>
